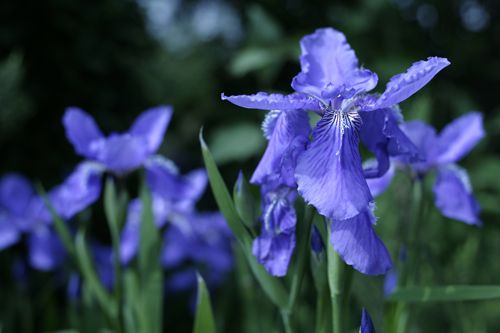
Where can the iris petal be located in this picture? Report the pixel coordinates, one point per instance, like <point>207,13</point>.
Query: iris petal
<point>459,137</point>
<point>122,152</point>
<point>264,101</point>
<point>9,232</point>
<point>46,251</point>
<point>289,160</point>
<point>402,86</point>
<point>164,179</point>
<point>81,131</point>
<point>358,245</point>
<point>81,189</point>
<point>329,173</point>
<point>287,125</point>
<point>453,195</point>
<point>379,185</point>
<point>366,323</point>
<point>151,125</point>
<point>424,137</point>
<point>328,58</point>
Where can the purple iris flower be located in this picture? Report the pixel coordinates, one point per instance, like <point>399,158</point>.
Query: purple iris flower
<point>118,152</point>
<point>328,171</point>
<point>453,194</point>
<point>172,195</point>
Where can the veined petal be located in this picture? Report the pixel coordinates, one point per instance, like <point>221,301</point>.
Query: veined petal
<point>287,125</point>
<point>358,245</point>
<point>402,86</point>
<point>122,152</point>
<point>366,323</point>
<point>15,193</point>
<point>328,58</point>
<point>453,195</point>
<point>289,160</point>
<point>164,179</point>
<point>46,251</point>
<point>264,101</point>
<point>459,137</point>
<point>379,185</point>
<point>329,173</point>
<point>9,232</point>
<point>151,125</point>
<point>274,251</point>
<point>81,131</point>
<point>81,189</point>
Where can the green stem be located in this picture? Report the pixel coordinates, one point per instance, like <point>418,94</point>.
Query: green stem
<point>336,283</point>
<point>285,315</point>
<point>322,310</point>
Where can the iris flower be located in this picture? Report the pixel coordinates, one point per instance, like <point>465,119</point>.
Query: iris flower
<point>453,194</point>
<point>328,171</point>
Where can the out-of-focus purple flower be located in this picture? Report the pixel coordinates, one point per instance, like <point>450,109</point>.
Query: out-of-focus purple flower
<point>390,282</point>
<point>452,191</point>
<point>74,287</point>
<point>104,263</point>
<point>328,170</point>
<point>173,195</point>
<point>366,323</point>
<point>46,251</point>
<point>118,152</point>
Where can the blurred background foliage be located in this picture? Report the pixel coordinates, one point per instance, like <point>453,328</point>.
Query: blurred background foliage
<point>116,58</point>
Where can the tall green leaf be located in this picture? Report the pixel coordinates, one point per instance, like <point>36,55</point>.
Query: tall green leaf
<point>444,294</point>
<point>204,318</point>
<point>272,286</point>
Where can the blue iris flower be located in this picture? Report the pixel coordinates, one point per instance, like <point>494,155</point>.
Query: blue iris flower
<point>327,172</point>
<point>453,194</point>
<point>366,323</point>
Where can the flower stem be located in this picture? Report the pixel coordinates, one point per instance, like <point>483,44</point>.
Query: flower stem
<point>336,269</point>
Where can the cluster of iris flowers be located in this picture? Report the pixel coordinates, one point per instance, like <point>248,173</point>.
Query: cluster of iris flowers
<point>328,173</point>
<point>193,239</point>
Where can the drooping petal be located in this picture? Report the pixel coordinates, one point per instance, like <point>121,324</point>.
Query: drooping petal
<point>329,173</point>
<point>402,86</point>
<point>274,252</point>
<point>264,101</point>
<point>164,179</point>
<point>46,251</point>
<point>328,58</point>
<point>15,193</point>
<point>151,125</point>
<point>453,195</point>
<point>287,125</point>
<point>122,152</point>
<point>366,323</point>
<point>459,137</point>
<point>289,160</point>
<point>81,189</point>
<point>358,245</point>
<point>381,134</point>
<point>9,232</point>
<point>379,185</point>
<point>81,131</point>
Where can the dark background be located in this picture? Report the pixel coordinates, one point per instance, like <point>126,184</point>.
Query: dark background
<point>116,58</point>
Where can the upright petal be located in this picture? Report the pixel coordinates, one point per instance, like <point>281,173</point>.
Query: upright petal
<point>453,195</point>
<point>264,101</point>
<point>358,245</point>
<point>81,131</point>
<point>459,137</point>
<point>81,189</point>
<point>329,173</point>
<point>402,86</point>
<point>328,58</point>
<point>164,179</point>
<point>287,125</point>
<point>151,125</point>
<point>366,323</point>
<point>46,251</point>
<point>15,193</point>
<point>122,152</point>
